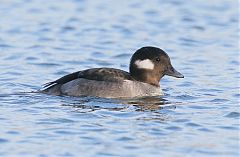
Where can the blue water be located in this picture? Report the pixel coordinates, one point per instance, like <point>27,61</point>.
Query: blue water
<point>44,40</point>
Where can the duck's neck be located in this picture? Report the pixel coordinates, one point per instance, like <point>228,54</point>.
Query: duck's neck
<point>147,76</point>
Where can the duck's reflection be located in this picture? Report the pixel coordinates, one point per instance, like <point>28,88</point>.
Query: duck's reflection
<point>148,103</point>
<point>137,104</point>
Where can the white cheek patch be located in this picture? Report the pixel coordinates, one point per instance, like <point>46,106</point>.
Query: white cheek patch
<point>144,64</point>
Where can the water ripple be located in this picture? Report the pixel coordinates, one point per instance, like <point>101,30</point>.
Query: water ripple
<point>40,42</point>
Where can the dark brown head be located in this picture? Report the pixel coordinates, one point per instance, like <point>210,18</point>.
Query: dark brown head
<point>150,64</point>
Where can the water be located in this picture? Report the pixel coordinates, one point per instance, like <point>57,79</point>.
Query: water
<point>42,41</point>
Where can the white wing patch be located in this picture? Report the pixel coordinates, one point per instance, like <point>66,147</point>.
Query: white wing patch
<point>144,64</point>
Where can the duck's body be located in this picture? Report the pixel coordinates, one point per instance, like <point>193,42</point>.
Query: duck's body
<point>146,70</point>
<point>102,82</point>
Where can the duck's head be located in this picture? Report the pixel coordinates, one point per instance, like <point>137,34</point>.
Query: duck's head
<point>150,64</point>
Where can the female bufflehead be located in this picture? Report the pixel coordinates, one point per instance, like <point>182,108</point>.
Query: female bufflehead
<point>147,66</point>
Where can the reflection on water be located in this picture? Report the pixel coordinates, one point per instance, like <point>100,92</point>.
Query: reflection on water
<point>197,116</point>
<point>139,104</point>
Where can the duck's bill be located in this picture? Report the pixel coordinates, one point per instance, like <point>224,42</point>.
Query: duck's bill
<point>172,72</point>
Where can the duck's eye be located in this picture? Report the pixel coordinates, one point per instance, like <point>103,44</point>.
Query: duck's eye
<point>158,59</point>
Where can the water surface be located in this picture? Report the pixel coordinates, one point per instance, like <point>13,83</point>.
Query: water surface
<point>42,41</point>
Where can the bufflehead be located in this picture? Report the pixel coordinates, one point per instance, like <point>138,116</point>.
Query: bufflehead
<point>147,66</point>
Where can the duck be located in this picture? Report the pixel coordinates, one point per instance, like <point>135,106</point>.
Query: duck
<point>147,66</point>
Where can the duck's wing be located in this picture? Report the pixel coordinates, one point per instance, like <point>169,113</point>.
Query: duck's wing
<point>98,74</point>
<point>105,74</point>
<point>62,80</point>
